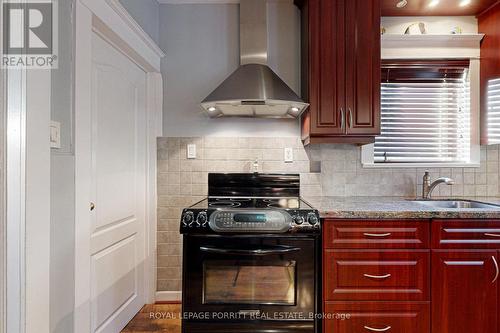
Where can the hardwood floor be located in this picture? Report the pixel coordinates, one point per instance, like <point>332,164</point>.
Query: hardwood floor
<point>156,318</point>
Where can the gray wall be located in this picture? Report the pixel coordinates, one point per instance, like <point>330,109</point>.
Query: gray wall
<point>201,42</point>
<point>146,13</point>
<point>62,187</point>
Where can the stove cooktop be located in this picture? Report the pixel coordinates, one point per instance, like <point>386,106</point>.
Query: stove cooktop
<point>252,203</point>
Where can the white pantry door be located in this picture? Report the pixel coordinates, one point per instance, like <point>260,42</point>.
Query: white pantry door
<point>118,139</point>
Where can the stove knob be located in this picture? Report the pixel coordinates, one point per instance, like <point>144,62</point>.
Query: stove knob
<point>312,218</point>
<point>202,219</point>
<point>298,219</point>
<point>188,218</point>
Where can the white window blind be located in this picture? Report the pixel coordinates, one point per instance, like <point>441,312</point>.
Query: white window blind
<point>494,111</point>
<point>425,113</point>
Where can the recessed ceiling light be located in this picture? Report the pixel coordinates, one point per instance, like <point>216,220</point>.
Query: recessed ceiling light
<point>433,3</point>
<point>464,3</point>
<point>294,109</point>
<point>212,109</point>
<point>402,3</point>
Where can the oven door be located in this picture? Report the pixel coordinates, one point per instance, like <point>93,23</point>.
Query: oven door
<point>249,278</point>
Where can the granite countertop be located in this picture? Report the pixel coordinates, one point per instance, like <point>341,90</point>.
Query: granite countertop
<point>397,208</point>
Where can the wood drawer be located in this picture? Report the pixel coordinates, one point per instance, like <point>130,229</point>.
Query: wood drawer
<point>382,275</point>
<point>366,317</point>
<point>356,234</point>
<point>468,234</point>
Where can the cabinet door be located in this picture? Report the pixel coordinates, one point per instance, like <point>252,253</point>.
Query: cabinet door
<point>376,275</point>
<point>363,67</point>
<point>464,291</point>
<point>366,317</point>
<point>376,234</point>
<point>327,69</point>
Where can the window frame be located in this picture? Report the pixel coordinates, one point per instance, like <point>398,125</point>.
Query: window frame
<point>367,151</point>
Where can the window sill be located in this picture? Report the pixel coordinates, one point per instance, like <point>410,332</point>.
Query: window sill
<point>419,165</point>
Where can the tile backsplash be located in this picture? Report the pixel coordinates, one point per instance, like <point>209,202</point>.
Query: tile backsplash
<point>182,181</point>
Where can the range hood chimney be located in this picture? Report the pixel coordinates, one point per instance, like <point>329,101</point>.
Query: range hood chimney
<point>254,89</point>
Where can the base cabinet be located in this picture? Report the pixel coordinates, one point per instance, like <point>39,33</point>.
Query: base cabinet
<point>386,276</point>
<point>465,291</point>
<point>365,317</point>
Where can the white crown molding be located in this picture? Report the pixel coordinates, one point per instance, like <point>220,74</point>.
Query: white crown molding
<point>456,39</point>
<point>431,46</point>
<point>129,20</point>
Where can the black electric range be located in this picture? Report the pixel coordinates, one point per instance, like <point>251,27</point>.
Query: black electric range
<point>251,257</point>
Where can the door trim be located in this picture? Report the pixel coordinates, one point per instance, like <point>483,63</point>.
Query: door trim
<point>27,200</point>
<point>110,21</point>
<point>3,173</point>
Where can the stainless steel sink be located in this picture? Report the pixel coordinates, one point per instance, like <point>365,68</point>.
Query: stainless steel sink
<point>457,204</point>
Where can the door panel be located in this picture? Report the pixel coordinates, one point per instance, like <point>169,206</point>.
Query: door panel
<point>327,66</point>
<point>118,165</point>
<point>464,291</point>
<point>114,279</point>
<point>363,67</point>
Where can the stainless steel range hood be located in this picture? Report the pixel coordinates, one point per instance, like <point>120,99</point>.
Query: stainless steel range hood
<point>254,89</point>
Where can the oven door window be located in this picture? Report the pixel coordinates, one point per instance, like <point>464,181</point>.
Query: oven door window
<point>249,282</point>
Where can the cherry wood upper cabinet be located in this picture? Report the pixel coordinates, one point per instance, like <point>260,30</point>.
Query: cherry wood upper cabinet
<point>341,70</point>
<point>464,291</point>
<point>489,24</point>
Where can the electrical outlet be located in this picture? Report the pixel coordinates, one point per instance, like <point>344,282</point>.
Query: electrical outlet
<point>191,151</point>
<point>288,155</point>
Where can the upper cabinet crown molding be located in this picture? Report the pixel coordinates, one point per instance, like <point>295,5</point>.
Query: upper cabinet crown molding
<point>436,46</point>
<point>456,39</point>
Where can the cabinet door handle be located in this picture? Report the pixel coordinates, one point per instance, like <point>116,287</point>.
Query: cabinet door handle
<point>380,277</point>
<point>377,235</point>
<point>350,117</point>
<point>491,235</point>
<point>385,329</point>
<point>497,271</point>
<point>342,119</point>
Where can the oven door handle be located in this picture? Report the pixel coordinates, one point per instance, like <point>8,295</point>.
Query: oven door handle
<point>256,252</point>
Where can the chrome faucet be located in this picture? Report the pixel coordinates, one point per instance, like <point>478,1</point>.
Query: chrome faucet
<point>428,187</point>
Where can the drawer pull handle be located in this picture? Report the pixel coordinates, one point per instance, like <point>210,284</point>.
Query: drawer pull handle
<point>385,329</point>
<point>496,268</point>
<point>492,235</point>
<point>377,276</point>
<point>377,235</point>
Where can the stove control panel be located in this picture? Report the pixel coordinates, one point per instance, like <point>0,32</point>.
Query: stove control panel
<point>249,221</point>
<point>274,221</point>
